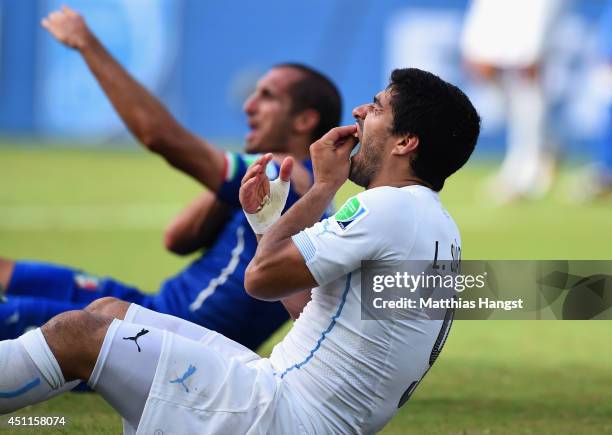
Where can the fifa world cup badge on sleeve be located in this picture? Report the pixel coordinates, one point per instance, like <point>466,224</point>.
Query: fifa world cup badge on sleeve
<point>350,213</point>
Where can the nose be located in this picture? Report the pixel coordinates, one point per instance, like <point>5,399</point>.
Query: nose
<point>250,105</point>
<point>360,112</point>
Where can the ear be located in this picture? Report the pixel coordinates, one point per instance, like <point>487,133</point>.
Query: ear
<point>405,145</point>
<point>306,121</point>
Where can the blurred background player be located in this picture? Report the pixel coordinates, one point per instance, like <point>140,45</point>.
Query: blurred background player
<point>504,42</point>
<point>292,106</point>
<point>599,181</point>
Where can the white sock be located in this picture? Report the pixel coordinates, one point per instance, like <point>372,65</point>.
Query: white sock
<point>29,372</point>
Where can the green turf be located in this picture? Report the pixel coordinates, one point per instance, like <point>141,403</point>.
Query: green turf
<point>105,211</point>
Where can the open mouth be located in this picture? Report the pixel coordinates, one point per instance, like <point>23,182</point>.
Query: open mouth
<point>253,126</point>
<point>359,132</point>
<point>357,136</point>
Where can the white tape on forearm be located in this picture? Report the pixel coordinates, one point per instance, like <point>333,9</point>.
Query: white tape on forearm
<point>272,207</point>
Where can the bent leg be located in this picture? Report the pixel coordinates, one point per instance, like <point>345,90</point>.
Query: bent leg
<point>132,313</point>
<point>19,314</point>
<point>62,283</point>
<point>37,279</point>
<point>125,367</point>
<point>35,366</point>
<point>119,360</point>
<point>184,328</point>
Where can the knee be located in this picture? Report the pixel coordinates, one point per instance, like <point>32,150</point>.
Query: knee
<point>108,306</point>
<point>73,327</point>
<point>99,306</point>
<point>75,338</point>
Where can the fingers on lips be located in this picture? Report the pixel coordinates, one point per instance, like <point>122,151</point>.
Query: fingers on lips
<point>339,135</point>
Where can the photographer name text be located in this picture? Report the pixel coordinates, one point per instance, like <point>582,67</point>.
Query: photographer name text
<point>428,303</point>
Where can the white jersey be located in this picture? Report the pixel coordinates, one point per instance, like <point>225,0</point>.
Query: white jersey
<point>345,374</point>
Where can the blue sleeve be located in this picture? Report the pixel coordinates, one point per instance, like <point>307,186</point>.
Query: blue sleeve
<point>236,165</point>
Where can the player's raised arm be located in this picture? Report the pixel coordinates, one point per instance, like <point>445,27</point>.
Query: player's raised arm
<point>278,269</point>
<point>143,114</point>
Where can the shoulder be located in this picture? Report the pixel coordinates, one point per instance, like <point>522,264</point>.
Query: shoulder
<point>386,201</point>
<point>384,207</point>
<point>384,196</point>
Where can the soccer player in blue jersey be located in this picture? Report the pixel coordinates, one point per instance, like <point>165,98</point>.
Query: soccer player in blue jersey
<point>291,107</point>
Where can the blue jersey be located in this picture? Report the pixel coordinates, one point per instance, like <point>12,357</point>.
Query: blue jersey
<point>210,291</point>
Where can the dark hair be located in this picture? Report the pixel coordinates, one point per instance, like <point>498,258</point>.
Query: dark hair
<point>440,115</point>
<point>315,91</point>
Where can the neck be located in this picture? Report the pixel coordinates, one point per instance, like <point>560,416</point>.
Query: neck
<point>299,149</point>
<point>389,177</point>
<point>399,183</point>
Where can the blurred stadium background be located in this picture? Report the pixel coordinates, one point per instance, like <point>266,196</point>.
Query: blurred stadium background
<point>202,59</point>
<point>74,188</point>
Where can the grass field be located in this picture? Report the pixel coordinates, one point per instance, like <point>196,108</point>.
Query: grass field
<point>105,212</point>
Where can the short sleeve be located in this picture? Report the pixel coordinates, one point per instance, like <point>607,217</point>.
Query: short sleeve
<point>362,229</point>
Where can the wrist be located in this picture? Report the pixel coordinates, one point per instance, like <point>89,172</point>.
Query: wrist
<point>86,41</point>
<point>326,187</point>
<point>271,209</point>
<point>322,194</point>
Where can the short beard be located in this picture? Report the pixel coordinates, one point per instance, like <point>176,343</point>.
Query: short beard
<point>276,142</point>
<point>365,164</point>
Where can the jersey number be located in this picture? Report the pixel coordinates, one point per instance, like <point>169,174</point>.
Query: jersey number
<point>435,352</point>
<point>444,330</point>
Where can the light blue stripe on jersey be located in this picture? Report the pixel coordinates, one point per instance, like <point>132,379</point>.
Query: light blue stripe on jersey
<point>305,246</point>
<point>10,394</point>
<point>327,331</point>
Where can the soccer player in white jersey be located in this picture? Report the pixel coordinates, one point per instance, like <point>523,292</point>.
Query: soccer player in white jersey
<point>333,372</point>
<point>513,61</point>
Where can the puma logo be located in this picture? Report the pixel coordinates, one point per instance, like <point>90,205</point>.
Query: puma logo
<point>190,371</point>
<point>136,337</point>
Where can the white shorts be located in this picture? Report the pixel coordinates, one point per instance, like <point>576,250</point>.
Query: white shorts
<point>491,33</point>
<point>210,386</point>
